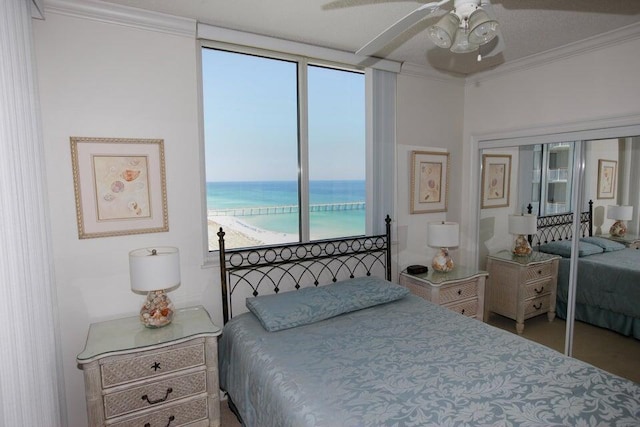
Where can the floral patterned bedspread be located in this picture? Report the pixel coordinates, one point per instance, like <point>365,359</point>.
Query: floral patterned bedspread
<point>412,363</point>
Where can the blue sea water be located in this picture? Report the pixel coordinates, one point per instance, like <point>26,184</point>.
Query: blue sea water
<point>228,195</point>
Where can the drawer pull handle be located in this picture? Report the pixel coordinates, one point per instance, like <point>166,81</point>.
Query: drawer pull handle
<point>153,402</point>
<point>539,291</point>
<point>539,271</point>
<point>462,312</point>
<point>539,306</point>
<point>459,291</point>
<point>156,366</point>
<point>171,418</point>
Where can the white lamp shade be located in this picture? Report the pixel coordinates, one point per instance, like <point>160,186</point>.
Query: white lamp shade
<point>523,224</point>
<point>149,272</point>
<point>620,213</point>
<point>443,234</point>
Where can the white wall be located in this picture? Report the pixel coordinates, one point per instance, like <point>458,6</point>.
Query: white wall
<point>494,234</point>
<point>599,150</point>
<point>579,90</point>
<point>429,118</point>
<point>107,80</point>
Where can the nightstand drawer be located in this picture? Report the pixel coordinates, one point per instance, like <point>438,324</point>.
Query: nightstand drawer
<point>539,271</point>
<point>536,289</point>
<point>152,364</point>
<point>174,416</point>
<point>536,306</point>
<point>459,292</point>
<point>154,394</point>
<point>468,308</point>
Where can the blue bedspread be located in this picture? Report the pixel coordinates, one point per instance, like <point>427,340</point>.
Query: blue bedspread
<point>412,363</point>
<point>608,290</point>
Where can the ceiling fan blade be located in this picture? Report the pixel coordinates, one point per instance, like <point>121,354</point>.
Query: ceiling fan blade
<point>384,38</point>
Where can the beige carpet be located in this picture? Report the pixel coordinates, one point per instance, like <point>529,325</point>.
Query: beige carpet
<point>599,347</point>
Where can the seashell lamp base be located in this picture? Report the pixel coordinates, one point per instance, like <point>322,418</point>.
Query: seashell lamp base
<point>618,229</point>
<point>442,262</point>
<point>157,310</point>
<point>521,246</point>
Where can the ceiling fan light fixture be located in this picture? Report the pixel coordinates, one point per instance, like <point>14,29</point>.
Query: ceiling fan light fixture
<point>482,29</point>
<point>462,43</point>
<point>443,33</point>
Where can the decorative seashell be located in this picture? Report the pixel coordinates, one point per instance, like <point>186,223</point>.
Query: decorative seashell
<point>117,186</point>
<point>130,174</point>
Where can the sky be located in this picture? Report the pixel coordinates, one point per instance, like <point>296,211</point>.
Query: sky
<point>250,105</point>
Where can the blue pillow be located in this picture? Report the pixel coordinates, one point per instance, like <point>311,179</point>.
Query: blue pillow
<point>563,248</point>
<point>309,305</point>
<point>363,292</point>
<point>606,244</point>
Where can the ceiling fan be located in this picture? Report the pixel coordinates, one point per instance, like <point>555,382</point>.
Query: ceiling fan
<point>469,25</point>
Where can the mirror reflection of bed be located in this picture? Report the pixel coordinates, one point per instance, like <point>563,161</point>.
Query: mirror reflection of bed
<point>542,176</point>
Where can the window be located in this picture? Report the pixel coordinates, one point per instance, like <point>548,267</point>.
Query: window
<point>284,149</point>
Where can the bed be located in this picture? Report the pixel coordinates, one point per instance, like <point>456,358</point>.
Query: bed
<point>362,351</point>
<point>608,282</point>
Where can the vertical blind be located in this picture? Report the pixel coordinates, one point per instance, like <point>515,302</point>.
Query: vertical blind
<point>30,372</point>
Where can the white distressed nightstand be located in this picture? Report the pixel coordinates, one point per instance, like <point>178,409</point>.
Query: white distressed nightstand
<point>629,240</point>
<point>460,290</point>
<point>522,287</point>
<point>136,376</point>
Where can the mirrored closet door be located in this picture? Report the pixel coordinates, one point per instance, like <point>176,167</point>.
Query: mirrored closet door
<point>531,294</point>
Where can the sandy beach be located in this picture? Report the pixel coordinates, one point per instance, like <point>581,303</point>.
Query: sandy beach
<point>239,234</point>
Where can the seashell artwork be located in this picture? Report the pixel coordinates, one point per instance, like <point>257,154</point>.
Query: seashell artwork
<point>117,186</point>
<point>130,175</point>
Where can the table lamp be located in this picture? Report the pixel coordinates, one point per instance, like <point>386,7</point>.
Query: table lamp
<point>154,270</point>
<point>522,225</point>
<point>619,214</point>
<point>443,235</point>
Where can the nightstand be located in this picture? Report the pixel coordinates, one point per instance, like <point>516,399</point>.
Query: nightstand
<point>460,290</point>
<point>150,377</point>
<point>629,240</point>
<point>521,287</point>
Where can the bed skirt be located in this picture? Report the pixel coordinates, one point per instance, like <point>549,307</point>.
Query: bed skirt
<point>625,325</point>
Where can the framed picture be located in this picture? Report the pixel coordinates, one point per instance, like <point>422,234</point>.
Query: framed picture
<point>607,173</point>
<point>496,177</point>
<point>429,181</point>
<point>119,186</point>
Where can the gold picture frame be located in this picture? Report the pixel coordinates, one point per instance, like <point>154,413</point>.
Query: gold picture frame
<point>496,180</point>
<point>429,181</point>
<point>607,177</point>
<point>119,186</point>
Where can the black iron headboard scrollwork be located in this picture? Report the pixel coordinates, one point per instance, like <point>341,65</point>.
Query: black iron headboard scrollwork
<point>560,226</point>
<point>272,269</point>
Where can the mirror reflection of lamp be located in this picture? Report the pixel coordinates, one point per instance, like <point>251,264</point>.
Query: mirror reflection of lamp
<point>443,235</point>
<point>620,214</point>
<point>153,271</point>
<point>522,225</point>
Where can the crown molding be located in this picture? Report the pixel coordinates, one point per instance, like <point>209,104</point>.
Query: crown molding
<point>415,70</point>
<point>123,15</point>
<point>594,43</point>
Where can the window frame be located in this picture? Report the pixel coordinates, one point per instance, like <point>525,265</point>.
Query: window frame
<point>302,61</point>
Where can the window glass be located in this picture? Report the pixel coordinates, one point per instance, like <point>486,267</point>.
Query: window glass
<point>253,149</point>
<point>336,153</point>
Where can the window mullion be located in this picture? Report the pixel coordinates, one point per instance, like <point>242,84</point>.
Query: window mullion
<point>303,150</point>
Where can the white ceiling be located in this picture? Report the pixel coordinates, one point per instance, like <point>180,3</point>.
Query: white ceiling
<point>528,26</point>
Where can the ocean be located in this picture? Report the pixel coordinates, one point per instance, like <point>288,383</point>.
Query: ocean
<point>324,224</point>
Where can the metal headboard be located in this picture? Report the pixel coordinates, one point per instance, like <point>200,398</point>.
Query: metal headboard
<point>560,226</point>
<point>296,265</point>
